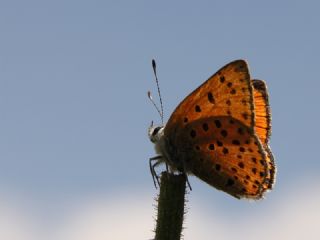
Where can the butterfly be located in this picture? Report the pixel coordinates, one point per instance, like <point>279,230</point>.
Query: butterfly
<point>220,133</point>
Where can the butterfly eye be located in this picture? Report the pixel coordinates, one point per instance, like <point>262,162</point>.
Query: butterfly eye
<point>155,131</point>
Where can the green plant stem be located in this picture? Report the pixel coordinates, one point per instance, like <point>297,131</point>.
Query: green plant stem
<point>171,203</point>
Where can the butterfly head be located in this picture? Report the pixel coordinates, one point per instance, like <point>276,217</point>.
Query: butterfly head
<point>155,133</point>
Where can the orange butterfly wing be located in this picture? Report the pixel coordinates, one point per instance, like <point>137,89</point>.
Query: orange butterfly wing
<point>226,93</point>
<point>212,134</point>
<point>263,125</point>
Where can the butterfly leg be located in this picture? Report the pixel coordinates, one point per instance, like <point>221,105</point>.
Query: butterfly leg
<point>187,179</point>
<point>186,176</point>
<point>167,167</point>
<point>152,166</point>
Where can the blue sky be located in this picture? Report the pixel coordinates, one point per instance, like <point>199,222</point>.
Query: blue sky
<point>74,112</point>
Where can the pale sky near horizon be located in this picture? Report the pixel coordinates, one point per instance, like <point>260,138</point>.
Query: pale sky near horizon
<point>74,113</point>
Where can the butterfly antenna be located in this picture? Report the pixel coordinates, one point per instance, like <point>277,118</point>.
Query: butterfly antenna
<point>154,66</point>
<point>154,104</point>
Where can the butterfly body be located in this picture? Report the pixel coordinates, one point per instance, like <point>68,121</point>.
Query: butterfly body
<point>163,149</point>
<point>220,134</point>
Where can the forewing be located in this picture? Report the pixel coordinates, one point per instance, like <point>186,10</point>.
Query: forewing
<point>228,92</point>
